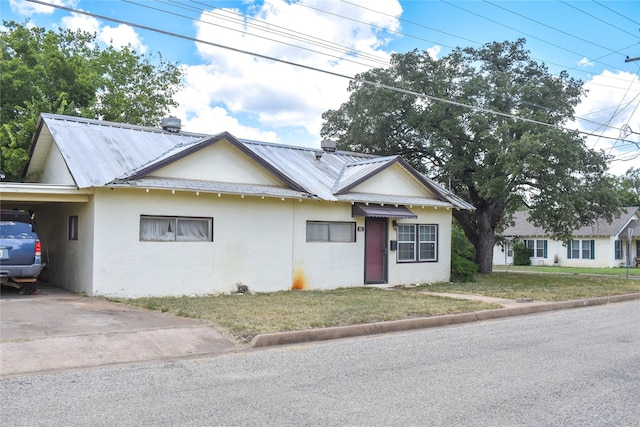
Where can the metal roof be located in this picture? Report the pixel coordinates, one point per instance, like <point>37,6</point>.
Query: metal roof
<point>99,153</point>
<point>523,228</point>
<point>361,209</point>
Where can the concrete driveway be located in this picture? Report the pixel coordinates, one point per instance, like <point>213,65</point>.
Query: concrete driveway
<point>58,330</point>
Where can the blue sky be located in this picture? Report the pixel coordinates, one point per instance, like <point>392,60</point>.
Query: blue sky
<point>265,100</point>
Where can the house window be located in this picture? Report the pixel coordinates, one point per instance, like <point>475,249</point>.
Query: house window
<point>324,231</point>
<point>618,249</point>
<point>417,242</point>
<point>581,249</point>
<point>638,248</point>
<point>72,229</point>
<point>509,250</point>
<point>537,248</point>
<point>171,229</point>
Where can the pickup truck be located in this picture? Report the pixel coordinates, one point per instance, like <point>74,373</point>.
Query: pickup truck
<point>20,250</point>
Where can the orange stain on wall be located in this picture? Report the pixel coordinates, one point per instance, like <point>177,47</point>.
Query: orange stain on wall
<point>299,284</point>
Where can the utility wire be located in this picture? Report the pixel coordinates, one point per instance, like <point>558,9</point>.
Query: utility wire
<point>567,68</point>
<point>332,73</point>
<point>250,34</point>
<point>596,18</point>
<point>617,13</point>
<point>296,34</point>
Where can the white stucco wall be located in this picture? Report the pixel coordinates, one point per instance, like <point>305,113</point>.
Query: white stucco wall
<point>69,262</point>
<point>402,273</point>
<point>257,242</point>
<point>326,265</point>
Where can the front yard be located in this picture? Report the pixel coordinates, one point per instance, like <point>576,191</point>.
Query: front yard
<point>242,316</point>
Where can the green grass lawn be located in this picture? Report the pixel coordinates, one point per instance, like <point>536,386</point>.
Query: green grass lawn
<point>618,271</point>
<point>542,287</point>
<point>241,317</point>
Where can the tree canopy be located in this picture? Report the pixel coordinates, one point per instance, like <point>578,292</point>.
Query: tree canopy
<point>66,72</point>
<point>628,187</point>
<point>498,162</point>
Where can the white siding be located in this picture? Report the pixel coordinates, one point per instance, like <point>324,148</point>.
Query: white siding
<point>604,254</point>
<point>395,181</point>
<point>220,162</point>
<point>56,171</point>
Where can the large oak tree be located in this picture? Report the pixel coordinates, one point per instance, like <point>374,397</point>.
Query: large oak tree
<point>67,72</point>
<point>498,162</point>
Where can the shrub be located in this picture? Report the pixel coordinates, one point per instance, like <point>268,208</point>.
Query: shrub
<point>463,268</point>
<point>521,255</point>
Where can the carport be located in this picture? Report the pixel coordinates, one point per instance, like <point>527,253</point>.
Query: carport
<point>53,207</point>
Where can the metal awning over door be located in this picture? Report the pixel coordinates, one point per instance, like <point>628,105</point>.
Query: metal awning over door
<point>384,211</point>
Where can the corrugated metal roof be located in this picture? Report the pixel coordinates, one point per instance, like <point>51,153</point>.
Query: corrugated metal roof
<point>101,153</point>
<point>386,199</point>
<point>385,211</point>
<point>354,173</point>
<point>97,152</point>
<point>523,228</point>
<point>210,187</point>
<point>314,170</point>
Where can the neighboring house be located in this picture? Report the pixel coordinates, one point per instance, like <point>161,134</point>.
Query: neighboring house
<point>130,211</point>
<point>602,245</point>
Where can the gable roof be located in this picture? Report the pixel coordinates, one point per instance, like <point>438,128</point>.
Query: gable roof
<point>99,153</point>
<point>523,228</point>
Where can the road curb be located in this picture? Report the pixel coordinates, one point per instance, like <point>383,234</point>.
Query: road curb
<point>324,334</point>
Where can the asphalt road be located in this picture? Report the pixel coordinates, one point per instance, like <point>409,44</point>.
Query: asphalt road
<point>576,367</point>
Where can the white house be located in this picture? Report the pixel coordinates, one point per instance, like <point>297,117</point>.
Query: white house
<point>604,244</point>
<point>132,211</point>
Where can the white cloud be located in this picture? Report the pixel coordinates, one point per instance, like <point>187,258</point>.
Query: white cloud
<point>121,36</point>
<point>118,37</point>
<point>28,9</point>
<point>586,63</point>
<point>610,105</point>
<point>274,94</point>
<point>81,22</point>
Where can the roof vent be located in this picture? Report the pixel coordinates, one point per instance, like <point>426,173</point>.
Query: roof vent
<point>171,124</point>
<point>328,145</point>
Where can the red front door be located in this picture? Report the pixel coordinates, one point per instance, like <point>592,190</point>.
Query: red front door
<point>375,250</point>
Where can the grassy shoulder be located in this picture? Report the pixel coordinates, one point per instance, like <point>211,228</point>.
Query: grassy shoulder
<point>617,271</point>
<point>542,287</point>
<point>241,317</point>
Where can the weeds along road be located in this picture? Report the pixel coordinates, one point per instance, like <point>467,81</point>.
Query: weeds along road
<point>570,367</point>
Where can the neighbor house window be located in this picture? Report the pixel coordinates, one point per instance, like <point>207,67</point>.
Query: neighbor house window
<point>73,228</point>
<point>417,242</point>
<point>618,249</point>
<point>537,248</point>
<point>170,229</point>
<point>334,231</point>
<point>638,248</point>
<point>509,250</point>
<point>581,249</point>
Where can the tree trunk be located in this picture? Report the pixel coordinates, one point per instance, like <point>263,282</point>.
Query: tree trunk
<point>484,247</point>
<point>479,227</point>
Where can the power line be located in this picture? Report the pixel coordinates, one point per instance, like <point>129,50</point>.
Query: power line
<point>254,35</point>
<point>567,68</point>
<point>351,78</point>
